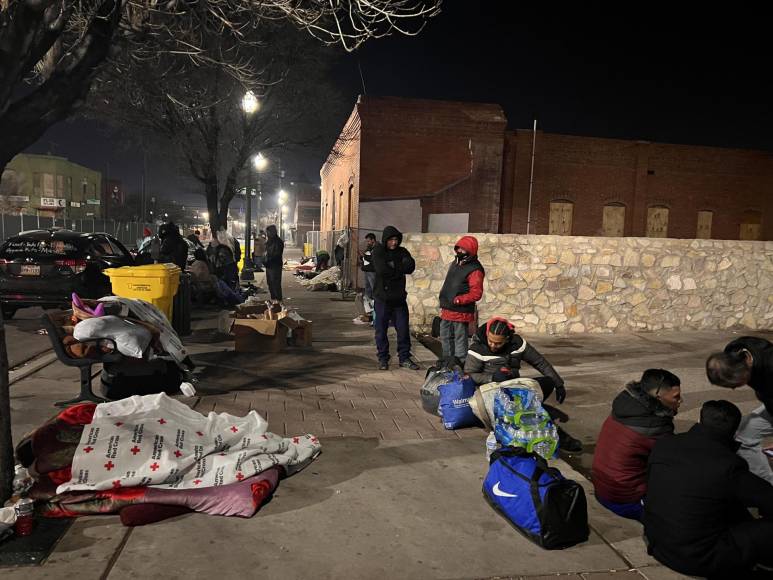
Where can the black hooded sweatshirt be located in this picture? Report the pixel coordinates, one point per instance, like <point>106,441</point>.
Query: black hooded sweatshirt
<point>391,267</point>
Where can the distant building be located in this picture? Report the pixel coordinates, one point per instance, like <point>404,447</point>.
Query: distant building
<point>439,166</point>
<point>50,186</point>
<point>306,215</point>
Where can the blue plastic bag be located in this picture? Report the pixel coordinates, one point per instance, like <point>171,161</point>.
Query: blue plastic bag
<point>454,404</point>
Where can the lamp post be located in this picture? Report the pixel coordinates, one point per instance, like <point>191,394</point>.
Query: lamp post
<point>281,198</point>
<point>250,105</point>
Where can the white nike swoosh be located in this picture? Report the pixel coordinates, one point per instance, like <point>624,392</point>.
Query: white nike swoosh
<point>501,493</point>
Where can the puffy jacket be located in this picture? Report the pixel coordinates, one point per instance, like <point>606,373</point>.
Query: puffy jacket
<point>697,488</point>
<point>481,363</point>
<point>174,249</point>
<point>762,366</point>
<point>624,445</point>
<point>391,267</point>
<point>463,285</point>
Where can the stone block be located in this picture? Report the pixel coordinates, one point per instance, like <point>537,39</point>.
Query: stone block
<point>603,287</point>
<point>585,293</point>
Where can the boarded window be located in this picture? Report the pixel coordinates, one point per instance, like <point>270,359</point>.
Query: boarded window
<point>657,222</point>
<point>751,226</point>
<point>704,225</point>
<point>614,220</point>
<point>560,218</point>
<point>48,184</point>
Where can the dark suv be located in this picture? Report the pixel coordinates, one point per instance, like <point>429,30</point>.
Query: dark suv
<point>44,267</point>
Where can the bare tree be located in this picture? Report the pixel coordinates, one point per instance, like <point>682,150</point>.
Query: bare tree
<point>51,50</point>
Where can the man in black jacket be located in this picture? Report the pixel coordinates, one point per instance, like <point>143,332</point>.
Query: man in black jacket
<point>392,262</point>
<point>273,263</point>
<point>174,248</point>
<point>748,360</point>
<point>698,490</point>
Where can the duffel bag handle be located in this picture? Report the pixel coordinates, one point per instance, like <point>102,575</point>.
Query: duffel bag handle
<point>519,452</point>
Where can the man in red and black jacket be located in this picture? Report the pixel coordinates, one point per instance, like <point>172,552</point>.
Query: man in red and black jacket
<point>462,288</point>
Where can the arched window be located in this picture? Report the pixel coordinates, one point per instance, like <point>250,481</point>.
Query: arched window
<point>560,223</point>
<point>657,221</point>
<point>614,220</point>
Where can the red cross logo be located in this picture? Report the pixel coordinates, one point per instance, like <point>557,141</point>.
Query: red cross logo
<point>119,423</point>
<point>88,449</point>
<point>264,436</point>
<point>234,429</point>
<point>239,476</point>
<point>135,450</point>
<point>296,440</point>
<point>117,483</point>
<point>196,481</point>
<point>314,439</point>
<point>177,453</point>
<point>162,421</point>
<point>109,465</point>
<point>199,433</point>
<point>155,466</point>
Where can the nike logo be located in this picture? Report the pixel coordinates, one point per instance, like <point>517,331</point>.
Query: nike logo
<point>501,493</point>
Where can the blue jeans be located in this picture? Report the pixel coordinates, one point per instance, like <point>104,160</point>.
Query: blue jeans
<point>631,511</point>
<point>397,313</point>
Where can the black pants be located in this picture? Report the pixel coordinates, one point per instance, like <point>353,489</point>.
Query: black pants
<point>274,281</point>
<point>397,313</point>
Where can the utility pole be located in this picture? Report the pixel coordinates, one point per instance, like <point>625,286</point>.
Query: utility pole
<point>531,176</point>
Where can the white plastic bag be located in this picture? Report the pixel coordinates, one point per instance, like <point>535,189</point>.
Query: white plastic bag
<point>130,338</point>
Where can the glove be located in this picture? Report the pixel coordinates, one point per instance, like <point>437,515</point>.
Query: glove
<point>503,374</point>
<point>560,393</point>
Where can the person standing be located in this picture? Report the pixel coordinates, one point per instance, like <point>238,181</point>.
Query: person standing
<point>273,263</point>
<point>173,247</point>
<point>366,265</point>
<point>696,519</point>
<point>748,360</point>
<point>392,263</point>
<point>259,251</point>
<point>462,288</point>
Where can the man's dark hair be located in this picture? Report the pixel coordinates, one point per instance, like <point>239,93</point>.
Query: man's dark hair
<point>371,236</point>
<point>654,380</point>
<point>727,369</point>
<point>500,328</point>
<point>721,416</point>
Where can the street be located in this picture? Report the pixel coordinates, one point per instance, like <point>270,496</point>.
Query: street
<point>22,338</point>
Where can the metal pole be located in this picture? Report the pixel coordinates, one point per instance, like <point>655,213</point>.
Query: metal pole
<point>531,176</point>
<point>248,230</point>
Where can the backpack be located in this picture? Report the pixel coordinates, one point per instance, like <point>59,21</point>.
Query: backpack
<point>454,404</point>
<point>536,499</point>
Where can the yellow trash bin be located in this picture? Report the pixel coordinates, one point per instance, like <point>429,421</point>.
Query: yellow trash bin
<point>154,283</point>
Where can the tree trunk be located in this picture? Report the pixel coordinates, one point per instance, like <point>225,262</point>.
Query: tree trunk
<point>6,441</point>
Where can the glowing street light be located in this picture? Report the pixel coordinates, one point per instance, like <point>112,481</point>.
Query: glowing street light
<point>250,103</point>
<point>259,162</point>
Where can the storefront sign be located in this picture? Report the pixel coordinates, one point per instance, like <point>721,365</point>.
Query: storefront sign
<point>92,201</point>
<point>53,202</point>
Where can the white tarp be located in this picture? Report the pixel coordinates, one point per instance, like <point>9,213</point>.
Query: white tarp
<point>158,441</point>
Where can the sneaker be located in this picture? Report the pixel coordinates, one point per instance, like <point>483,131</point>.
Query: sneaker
<point>409,364</point>
<point>360,321</point>
<point>383,365</point>
<point>568,443</point>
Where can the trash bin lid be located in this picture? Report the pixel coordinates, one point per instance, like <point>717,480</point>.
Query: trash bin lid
<point>148,270</point>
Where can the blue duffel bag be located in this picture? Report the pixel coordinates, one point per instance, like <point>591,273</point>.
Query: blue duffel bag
<point>536,499</point>
<point>454,404</point>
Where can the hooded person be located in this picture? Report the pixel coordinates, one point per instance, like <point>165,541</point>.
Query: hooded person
<point>641,414</point>
<point>392,263</point>
<point>462,288</point>
<point>174,248</point>
<point>495,355</point>
<point>273,263</point>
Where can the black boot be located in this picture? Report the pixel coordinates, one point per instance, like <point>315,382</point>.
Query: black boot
<point>568,443</point>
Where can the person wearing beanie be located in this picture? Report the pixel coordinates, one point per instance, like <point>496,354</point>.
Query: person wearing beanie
<point>462,288</point>
<point>392,263</point>
<point>495,355</point>
<point>642,413</point>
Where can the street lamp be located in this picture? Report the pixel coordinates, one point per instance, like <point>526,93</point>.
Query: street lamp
<point>250,105</point>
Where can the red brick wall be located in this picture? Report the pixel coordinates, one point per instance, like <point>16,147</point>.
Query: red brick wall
<point>340,179</point>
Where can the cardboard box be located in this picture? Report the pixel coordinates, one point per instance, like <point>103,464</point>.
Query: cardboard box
<point>259,335</point>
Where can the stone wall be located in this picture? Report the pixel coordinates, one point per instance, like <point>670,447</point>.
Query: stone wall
<point>559,284</point>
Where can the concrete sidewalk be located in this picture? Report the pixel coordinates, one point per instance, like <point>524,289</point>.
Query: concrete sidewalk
<point>393,495</point>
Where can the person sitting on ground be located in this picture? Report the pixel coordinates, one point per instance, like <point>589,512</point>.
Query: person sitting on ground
<point>748,360</point>
<point>323,261</point>
<point>641,414</point>
<point>696,519</point>
<point>223,260</point>
<point>202,282</point>
<point>495,355</point>
<point>462,288</point>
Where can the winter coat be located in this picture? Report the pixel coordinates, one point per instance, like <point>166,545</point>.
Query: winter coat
<point>762,366</point>
<point>697,488</point>
<point>624,445</point>
<point>260,247</point>
<point>391,267</point>
<point>463,285</point>
<point>274,249</point>
<point>174,249</point>
<point>367,259</point>
<point>481,363</point>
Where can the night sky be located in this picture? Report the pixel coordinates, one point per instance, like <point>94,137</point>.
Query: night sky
<point>690,74</point>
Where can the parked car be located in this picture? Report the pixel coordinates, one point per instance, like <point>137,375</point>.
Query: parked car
<point>44,267</point>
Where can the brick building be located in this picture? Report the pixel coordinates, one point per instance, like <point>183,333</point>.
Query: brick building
<point>436,166</point>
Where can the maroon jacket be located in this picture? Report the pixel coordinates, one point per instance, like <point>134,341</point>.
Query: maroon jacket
<point>625,443</point>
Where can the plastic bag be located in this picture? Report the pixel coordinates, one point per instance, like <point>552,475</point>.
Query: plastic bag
<point>131,339</point>
<point>455,403</point>
<point>430,396</point>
